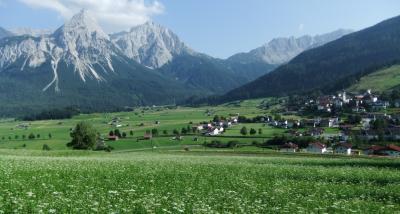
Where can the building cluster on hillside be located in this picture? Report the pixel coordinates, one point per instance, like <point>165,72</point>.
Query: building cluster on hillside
<point>365,121</point>
<point>357,102</point>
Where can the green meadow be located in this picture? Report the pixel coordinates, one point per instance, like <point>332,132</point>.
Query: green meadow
<point>195,182</point>
<point>137,122</point>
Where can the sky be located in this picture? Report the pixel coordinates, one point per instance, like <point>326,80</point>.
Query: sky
<point>219,28</point>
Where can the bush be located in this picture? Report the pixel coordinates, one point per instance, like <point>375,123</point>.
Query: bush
<point>46,147</point>
<point>31,136</point>
<point>243,131</point>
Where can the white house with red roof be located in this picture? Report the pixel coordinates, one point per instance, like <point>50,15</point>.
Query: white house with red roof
<point>316,148</point>
<point>343,148</point>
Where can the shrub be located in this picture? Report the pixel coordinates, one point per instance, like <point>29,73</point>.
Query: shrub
<point>46,147</point>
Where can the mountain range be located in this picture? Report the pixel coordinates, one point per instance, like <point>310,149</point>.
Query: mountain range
<point>81,65</point>
<point>331,67</point>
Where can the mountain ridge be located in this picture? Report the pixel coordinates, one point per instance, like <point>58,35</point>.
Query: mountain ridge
<point>330,67</point>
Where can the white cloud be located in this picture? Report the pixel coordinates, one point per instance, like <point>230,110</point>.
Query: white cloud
<point>113,15</point>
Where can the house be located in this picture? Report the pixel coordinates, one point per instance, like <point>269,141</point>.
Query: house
<point>372,150</point>
<point>314,132</point>
<point>289,147</point>
<point>379,105</point>
<point>310,123</point>
<point>198,127</point>
<point>213,131</point>
<point>227,124</point>
<point>343,148</point>
<point>324,104</point>
<point>316,148</point>
<point>366,123</point>
<point>330,122</point>
<point>22,126</point>
<point>234,119</point>
<point>333,122</point>
<point>390,150</point>
<point>292,123</point>
<point>147,136</point>
<point>112,138</point>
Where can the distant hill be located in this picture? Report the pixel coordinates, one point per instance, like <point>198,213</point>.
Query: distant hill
<point>331,67</point>
<point>380,81</point>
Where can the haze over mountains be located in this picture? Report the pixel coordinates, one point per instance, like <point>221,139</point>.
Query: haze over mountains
<point>79,64</point>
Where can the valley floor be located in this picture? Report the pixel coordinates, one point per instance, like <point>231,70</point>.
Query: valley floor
<point>164,175</point>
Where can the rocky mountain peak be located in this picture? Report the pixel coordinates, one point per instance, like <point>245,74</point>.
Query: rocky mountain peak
<point>150,44</point>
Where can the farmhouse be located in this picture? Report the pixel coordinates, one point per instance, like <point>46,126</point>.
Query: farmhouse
<point>112,138</point>
<point>372,150</point>
<point>198,127</point>
<point>289,147</point>
<point>214,131</point>
<point>147,136</point>
<point>316,148</point>
<point>343,148</point>
<point>390,150</point>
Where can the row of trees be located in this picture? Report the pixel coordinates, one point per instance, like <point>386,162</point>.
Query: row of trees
<point>31,136</point>
<point>244,131</point>
<point>53,114</point>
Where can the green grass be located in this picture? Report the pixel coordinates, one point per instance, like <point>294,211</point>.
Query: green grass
<point>170,119</point>
<point>380,81</point>
<point>192,182</point>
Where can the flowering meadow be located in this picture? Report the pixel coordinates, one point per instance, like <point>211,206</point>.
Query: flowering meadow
<point>195,183</point>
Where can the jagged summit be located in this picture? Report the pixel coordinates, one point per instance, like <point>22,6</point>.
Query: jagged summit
<point>82,25</point>
<point>283,49</point>
<point>150,44</point>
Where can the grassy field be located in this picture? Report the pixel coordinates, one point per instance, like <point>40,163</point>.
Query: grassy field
<point>380,81</point>
<point>138,121</point>
<point>194,182</point>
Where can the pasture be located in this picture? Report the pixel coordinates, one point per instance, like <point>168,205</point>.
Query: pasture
<point>13,136</point>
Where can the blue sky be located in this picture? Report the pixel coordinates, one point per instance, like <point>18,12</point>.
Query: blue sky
<point>219,28</point>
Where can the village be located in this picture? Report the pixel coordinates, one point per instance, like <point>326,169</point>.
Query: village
<point>346,124</point>
<point>359,124</point>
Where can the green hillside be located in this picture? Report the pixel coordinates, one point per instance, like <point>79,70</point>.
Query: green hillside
<point>382,80</point>
<point>329,68</point>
